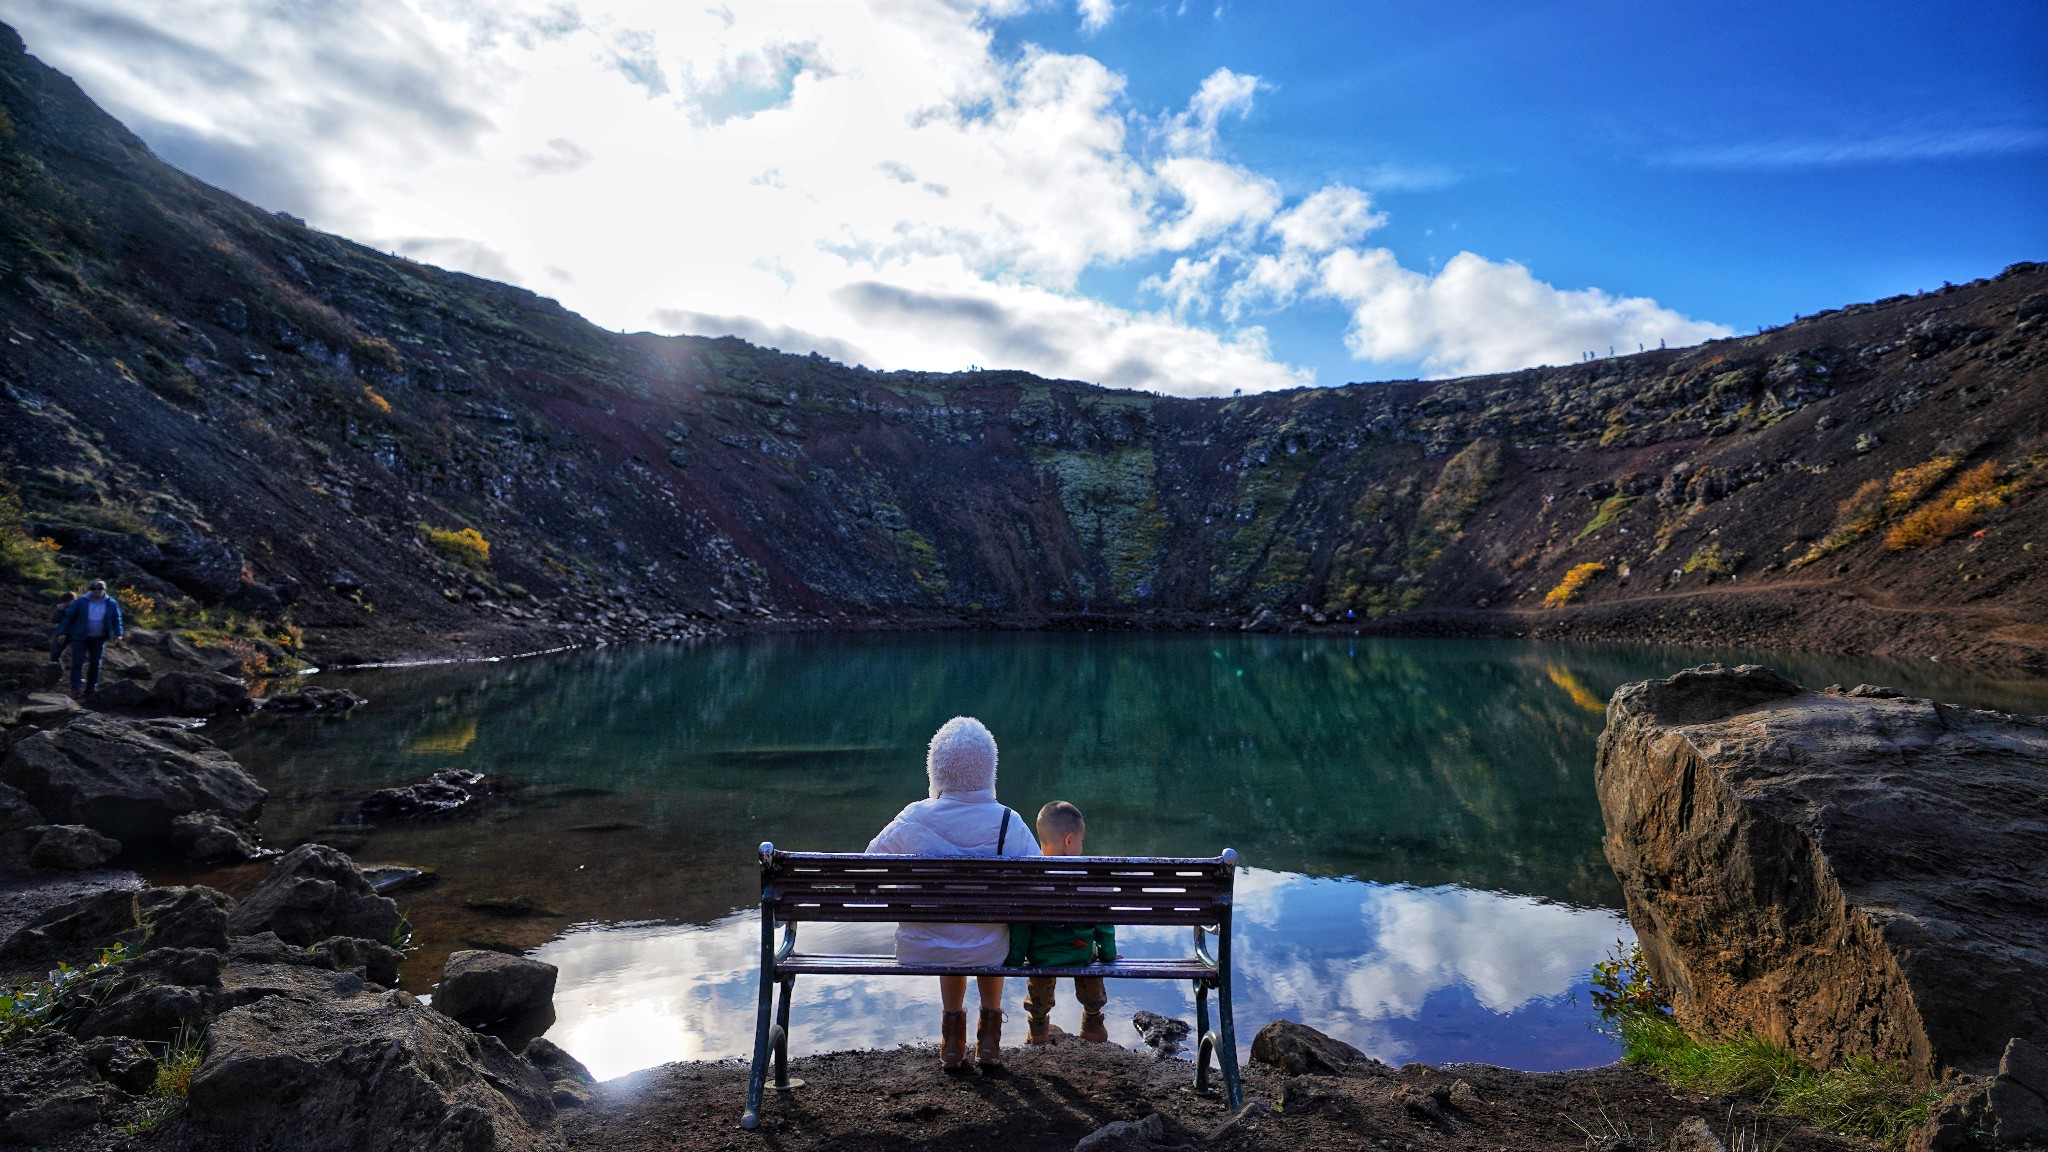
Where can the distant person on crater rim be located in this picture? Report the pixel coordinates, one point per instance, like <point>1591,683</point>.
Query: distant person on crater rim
<point>88,624</point>
<point>960,818</point>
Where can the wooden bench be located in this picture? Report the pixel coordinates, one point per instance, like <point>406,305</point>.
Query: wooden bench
<point>801,886</point>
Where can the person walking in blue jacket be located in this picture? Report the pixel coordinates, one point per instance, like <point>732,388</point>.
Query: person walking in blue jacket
<point>90,622</point>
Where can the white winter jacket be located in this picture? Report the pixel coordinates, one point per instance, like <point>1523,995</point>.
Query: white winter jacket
<point>954,824</point>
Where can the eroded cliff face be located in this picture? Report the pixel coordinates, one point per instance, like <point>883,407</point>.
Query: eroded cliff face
<point>202,400</point>
<point>1847,873</point>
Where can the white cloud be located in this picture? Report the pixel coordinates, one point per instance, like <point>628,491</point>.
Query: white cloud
<point>865,178</point>
<point>1890,148</point>
<point>1480,315</point>
<point>1332,217</point>
<point>1223,93</point>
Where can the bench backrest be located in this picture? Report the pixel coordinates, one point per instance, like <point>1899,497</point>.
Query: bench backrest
<point>799,886</point>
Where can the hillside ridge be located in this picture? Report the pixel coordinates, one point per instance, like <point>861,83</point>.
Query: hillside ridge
<point>247,420</point>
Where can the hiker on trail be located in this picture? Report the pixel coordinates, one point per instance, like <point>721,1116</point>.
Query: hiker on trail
<point>961,818</point>
<point>57,626</point>
<point>87,625</point>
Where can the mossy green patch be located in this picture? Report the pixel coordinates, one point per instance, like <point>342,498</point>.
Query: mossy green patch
<point>1112,501</point>
<point>1460,488</point>
<point>1610,511</point>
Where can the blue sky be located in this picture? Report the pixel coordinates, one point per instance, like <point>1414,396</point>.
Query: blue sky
<point>1738,162</point>
<point>1190,197</point>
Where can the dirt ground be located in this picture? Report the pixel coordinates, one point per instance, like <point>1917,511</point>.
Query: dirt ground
<point>1049,1098</point>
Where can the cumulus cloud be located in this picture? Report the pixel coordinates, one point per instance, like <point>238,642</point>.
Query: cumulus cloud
<point>1480,315</point>
<point>874,180</point>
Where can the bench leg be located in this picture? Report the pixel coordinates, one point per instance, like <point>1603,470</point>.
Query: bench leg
<point>1205,1040</point>
<point>781,1033</point>
<point>1226,1046</point>
<point>752,1118</point>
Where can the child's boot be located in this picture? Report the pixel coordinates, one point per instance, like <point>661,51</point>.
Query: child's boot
<point>1092,1028</point>
<point>953,1040</point>
<point>1040,1030</point>
<point>988,1038</point>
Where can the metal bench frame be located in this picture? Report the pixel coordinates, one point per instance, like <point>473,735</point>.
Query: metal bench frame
<point>853,887</point>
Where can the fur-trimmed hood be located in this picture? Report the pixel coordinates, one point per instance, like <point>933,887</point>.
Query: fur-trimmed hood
<point>962,758</point>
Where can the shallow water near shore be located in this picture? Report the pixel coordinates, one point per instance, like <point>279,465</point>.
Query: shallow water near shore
<point>1423,875</point>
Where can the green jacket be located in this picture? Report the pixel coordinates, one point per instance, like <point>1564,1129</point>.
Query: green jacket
<point>1061,945</point>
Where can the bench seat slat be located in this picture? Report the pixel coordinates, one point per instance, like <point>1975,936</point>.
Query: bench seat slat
<point>827,964</point>
<point>985,915</point>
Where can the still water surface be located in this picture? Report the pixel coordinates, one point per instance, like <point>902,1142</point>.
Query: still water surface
<point>1423,875</point>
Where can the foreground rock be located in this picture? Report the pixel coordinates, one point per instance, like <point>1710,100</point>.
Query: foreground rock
<point>1847,873</point>
<point>372,1071</point>
<point>128,780</point>
<point>479,987</point>
<point>314,892</point>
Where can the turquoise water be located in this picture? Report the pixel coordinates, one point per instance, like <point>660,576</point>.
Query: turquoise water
<point>1423,875</point>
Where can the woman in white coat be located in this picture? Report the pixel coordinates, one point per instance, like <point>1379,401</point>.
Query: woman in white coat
<point>961,818</point>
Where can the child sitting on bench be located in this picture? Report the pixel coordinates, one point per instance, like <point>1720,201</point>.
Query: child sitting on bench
<point>1060,833</point>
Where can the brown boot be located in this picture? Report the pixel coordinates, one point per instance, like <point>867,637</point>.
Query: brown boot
<point>1039,1030</point>
<point>988,1039</point>
<point>952,1040</point>
<point>1092,1028</point>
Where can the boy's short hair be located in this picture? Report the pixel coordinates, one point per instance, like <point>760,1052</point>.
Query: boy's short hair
<point>1058,819</point>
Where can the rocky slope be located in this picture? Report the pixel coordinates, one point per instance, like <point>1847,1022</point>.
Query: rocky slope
<point>1849,873</point>
<point>223,409</point>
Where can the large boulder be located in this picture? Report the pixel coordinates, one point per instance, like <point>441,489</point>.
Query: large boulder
<point>1846,873</point>
<point>91,921</point>
<point>479,987</point>
<point>314,892</point>
<point>364,1073</point>
<point>70,848</point>
<point>1299,1050</point>
<point>199,693</point>
<point>128,780</point>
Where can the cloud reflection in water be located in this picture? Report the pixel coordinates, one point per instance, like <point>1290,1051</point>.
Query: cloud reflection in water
<point>1404,973</point>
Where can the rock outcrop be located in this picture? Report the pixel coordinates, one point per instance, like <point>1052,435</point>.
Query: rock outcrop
<point>306,1048</point>
<point>374,1070</point>
<point>1847,873</point>
<point>314,892</point>
<point>128,780</point>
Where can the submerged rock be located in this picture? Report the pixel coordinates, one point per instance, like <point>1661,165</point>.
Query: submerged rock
<point>1857,873</point>
<point>313,698</point>
<point>441,794</point>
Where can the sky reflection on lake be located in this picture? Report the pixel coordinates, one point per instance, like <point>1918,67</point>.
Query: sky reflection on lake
<point>1435,974</point>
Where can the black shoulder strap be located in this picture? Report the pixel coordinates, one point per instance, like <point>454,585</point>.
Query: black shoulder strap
<point>1003,835</point>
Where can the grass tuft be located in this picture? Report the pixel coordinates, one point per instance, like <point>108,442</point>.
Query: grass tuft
<point>1860,1097</point>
